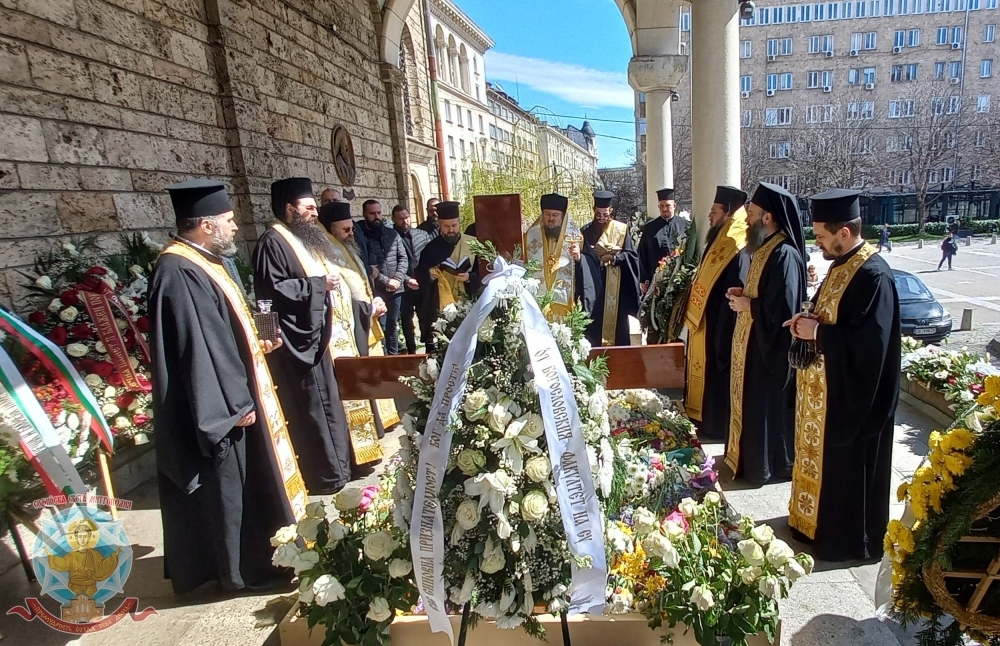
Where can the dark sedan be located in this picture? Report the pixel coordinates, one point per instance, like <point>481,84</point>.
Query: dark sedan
<point>920,315</point>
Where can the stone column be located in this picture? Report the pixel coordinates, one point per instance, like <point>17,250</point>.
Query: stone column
<point>392,79</point>
<point>657,76</point>
<point>715,102</point>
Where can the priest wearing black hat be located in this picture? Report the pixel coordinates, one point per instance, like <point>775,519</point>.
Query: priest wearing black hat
<point>570,268</point>
<point>618,292</point>
<point>448,268</point>
<point>847,397</point>
<point>660,236</point>
<point>761,428</point>
<point>709,319</point>
<point>220,433</point>
<point>292,269</point>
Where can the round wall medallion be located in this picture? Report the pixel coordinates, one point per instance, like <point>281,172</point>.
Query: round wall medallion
<point>343,155</point>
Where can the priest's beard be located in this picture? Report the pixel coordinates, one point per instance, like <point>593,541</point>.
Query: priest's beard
<point>453,238</point>
<point>755,236</point>
<point>311,236</point>
<point>836,251</point>
<point>223,245</point>
<point>713,233</point>
<point>352,245</point>
<point>552,232</point>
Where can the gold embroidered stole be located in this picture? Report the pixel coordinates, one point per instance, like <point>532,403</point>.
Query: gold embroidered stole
<point>741,338</point>
<point>360,419</point>
<point>729,242</point>
<point>272,416</point>
<point>612,240</point>
<point>447,284</point>
<point>352,271</point>
<point>558,267</point>
<point>811,402</point>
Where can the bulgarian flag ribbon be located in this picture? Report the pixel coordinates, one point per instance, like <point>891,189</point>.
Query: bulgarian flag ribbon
<point>56,361</point>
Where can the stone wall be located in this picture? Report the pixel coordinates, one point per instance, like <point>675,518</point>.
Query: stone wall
<point>104,103</point>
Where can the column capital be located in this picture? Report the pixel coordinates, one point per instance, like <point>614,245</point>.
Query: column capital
<point>653,73</point>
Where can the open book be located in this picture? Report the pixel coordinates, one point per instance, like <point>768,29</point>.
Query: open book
<point>461,267</point>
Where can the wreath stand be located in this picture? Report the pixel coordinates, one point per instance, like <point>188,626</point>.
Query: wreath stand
<point>463,632</point>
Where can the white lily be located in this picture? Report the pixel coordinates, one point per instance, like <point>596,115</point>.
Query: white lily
<point>492,489</point>
<point>517,441</point>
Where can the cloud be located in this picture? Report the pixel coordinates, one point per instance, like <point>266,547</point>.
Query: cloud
<point>573,83</point>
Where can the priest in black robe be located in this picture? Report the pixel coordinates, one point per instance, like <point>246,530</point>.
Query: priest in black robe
<point>761,444</point>
<point>222,493</point>
<point>289,271</point>
<point>709,319</point>
<point>846,398</point>
<point>618,291</point>
<point>660,236</point>
<point>440,282</point>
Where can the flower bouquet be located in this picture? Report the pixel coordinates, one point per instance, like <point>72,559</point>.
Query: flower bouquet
<point>661,312</point>
<point>959,375</point>
<point>950,532</point>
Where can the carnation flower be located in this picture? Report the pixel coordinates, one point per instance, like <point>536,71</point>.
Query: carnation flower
<point>327,589</point>
<point>379,610</point>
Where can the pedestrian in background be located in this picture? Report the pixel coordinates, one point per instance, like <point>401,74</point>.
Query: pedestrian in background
<point>949,247</point>
<point>883,239</point>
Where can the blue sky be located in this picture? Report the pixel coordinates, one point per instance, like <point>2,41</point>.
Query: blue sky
<point>567,56</point>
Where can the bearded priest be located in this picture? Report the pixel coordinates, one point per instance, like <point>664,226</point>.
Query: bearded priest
<point>847,397</point>
<point>761,425</point>
<point>709,319</point>
<point>569,268</point>
<point>290,270</point>
<point>224,462</point>
<point>618,293</point>
<point>448,267</point>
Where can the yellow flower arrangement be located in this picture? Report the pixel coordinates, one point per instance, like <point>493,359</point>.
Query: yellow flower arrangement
<point>654,585</point>
<point>653,428</point>
<point>991,395</point>
<point>631,565</point>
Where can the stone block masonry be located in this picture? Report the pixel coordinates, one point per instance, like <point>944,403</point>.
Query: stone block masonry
<point>103,103</point>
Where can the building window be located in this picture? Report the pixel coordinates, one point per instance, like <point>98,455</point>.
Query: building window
<point>818,11</point>
<point>772,82</point>
<point>860,110</point>
<point>913,38</point>
<point>461,148</point>
<point>745,49</point>
<point>781,149</point>
<point>772,47</point>
<point>747,118</point>
<point>447,110</point>
<point>493,131</point>
<point>827,78</point>
<point>939,70</point>
<point>686,21</point>
<point>896,74</point>
<point>451,146</point>
<point>947,174</point>
<point>458,115</point>
<point>828,44</point>
<point>983,103</point>
<point>977,171</point>
<point>900,109</point>
<point>989,33</point>
<point>950,140</point>
<point>745,83</point>
<point>954,104</point>
<point>899,38</point>
<point>871,40</point>
<point>468,122</point>
<point>812,80</point>
<point>832,12</point>
<point>991,4</point>
<point>814,44</point>
<point>864,145</point>
<point>853,77</point>
<point>981,138</point>
<point>869,75</point>
<point>986,68</point>
<point>786,46</point>
<point>856,40</point>
<point>786,81</point>
<point>860,9</point>
<point>778,116</point>
<point>956,69</point>
<point>846,10</point>
<point>819,114</point>
<point>956,35</point>
<point>942,36</point>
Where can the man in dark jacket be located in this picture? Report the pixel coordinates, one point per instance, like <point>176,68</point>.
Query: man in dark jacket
<point>387,255</point>
<point>430,226</point>
<point>414,241</point>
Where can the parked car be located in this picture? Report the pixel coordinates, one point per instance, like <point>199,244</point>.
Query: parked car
<point>920,314</point>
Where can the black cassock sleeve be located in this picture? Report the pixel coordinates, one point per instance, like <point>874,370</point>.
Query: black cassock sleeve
<point>588,279</point>
<point>723,316</point>
<point>299,300</point>
<point>781,294</point>
<point>646,252</point>
<point>199,376</point>
<point>857,350</point>
<point>362,325</point>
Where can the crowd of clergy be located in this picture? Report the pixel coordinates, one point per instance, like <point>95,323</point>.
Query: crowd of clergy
<point>249,425</point>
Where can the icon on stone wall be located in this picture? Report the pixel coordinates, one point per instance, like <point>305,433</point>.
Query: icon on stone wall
<point>343,156</point>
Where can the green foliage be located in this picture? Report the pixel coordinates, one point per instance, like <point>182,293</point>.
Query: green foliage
<point>931,229</point>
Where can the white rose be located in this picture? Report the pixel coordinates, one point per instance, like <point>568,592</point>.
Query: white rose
<point>672,529</point>
<point>751,551</point>
<point>69,314</point>
<point>379,610</point>
<point>535,426</point>
<point>449,312</point>
<point>399,568</point>
<point>304,560</point>
<point>110,391</point>
<point>779,553</point>
<point>316,510</point>
<point>136,271</point>
<point>748,574</point>
<point>701,597</point>
<point>284,535</point>
<point>657,544</point>
<point>713,499</point>
<point>770,587</point>
<point>486,331</point>
<point>122,423</point>
<point>347,499</point>
<point>763,534</point>
<point>327,589</point>
<point>793,570</point>
<point>470,461</point>
<point>474,402</point>
<point>467,515</point>
<point>44,282</point>
<point>378,545</point>
<point>306,591</point>
<point>688,507</point>
<point>338,531</point>
<point>644,521</point>
<point>55,305</point>
<point>309,528</point>
<point>77,350</point>
<point>806,562</point>
<point>538,468</point>
<point>110,410</point>
<point>534,506</point>
<point>92,380</point>
<point>285,555</point>
<point>99,346</point>
<point>493,558</point>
